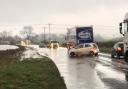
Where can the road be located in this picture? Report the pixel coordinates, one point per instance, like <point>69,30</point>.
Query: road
<point>89,72</point>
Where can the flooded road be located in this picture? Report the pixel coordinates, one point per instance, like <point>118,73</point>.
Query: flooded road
<point>88,72</point>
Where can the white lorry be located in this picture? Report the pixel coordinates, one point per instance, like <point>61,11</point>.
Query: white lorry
<point>123,27</point>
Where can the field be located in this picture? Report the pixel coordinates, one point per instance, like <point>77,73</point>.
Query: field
<point>38,73</point>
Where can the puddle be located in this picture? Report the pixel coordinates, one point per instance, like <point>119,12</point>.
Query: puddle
<point>31,53</point>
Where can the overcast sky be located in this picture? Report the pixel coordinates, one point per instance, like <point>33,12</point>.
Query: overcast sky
<point>79,12</point>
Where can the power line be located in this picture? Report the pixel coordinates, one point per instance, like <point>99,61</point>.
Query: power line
<point>73,25</point>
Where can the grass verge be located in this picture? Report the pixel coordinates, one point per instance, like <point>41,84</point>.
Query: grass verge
<point>9,57</point>
<point>32,74</point>
<point>106,46</point>
<point>105,49</point>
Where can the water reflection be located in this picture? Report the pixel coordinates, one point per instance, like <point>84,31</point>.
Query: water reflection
<point>82,72</point>
<point>79,73</point>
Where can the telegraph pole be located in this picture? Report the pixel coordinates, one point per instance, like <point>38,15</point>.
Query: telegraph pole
<point>49,32</point>
<point>44,34</point>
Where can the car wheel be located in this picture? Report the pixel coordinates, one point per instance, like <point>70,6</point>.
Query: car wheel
<point>96,54</point>
<point>126,57</point>
<point>117,55</point>
<point>126,76</point>
<point>112,56</point>
<point>91,53</point>
<point>72,54</point>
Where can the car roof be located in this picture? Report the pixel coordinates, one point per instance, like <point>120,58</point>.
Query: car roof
<point>54,41</point>
<point>120,43</point>
<point>87,43</point>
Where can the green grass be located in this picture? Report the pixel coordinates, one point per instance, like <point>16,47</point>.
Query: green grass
<point>10,56</point>
<point>32,74</point>
<point>105,49</point>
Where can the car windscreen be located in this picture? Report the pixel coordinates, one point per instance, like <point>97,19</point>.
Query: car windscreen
<point>121,45</point>
<point>80,46</point>
<point>95,46</point>
<point>54,42</point>
<point>87,45</point>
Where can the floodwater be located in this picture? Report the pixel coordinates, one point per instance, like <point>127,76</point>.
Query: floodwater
<point>88,72</point>
<point>78,73</point>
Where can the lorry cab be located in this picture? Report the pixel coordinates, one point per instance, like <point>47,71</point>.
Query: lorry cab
<point>123,27</point>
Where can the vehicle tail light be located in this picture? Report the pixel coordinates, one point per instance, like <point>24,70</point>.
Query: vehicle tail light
<point>119,49</point>
<point>70,47</point>
<point>93,49</point>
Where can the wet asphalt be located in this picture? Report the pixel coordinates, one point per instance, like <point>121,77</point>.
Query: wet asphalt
<point>89,72</point>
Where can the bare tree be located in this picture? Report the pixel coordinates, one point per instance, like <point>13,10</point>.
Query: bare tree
<point>4,36</point>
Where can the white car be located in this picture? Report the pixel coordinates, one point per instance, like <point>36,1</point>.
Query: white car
<point>118,50</point>
<point>85,49</point>
<point>54,44</point>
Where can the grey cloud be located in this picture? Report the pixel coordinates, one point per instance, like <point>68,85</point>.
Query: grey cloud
<point>25,10</point>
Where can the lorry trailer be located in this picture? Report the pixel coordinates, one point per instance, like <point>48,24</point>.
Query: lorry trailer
<point>79,35</point>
